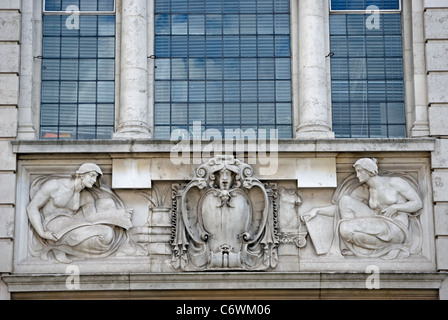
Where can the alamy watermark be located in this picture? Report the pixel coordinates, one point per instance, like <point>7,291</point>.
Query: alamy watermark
<point>373,20</point>
<point>261,146</point>
<point>373,280</point>
<point>72,21</point>
<point>72,282</point>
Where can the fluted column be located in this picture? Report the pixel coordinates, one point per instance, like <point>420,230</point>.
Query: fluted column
<point>314,107</point>
<point>133,114</point>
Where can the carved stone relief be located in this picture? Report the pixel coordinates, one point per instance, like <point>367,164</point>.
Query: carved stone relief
<point>156,234</point>
<point>224,219</point>
<point>372,216</point>
<point>76,217</point>
<point>290,224</point>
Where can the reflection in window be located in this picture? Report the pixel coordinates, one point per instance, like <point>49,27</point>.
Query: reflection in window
<point>78,71</point>
<point>226,64</point>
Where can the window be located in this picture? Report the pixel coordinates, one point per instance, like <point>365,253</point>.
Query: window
<point>367,69</point>
<point>225,63</point>
<point>78,69</point>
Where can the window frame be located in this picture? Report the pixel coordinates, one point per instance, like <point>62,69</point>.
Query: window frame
<point>38,95</point>
<point>406,88</point>
<point>223,126</point>
<point>333,11</point>
<point>62,12</point>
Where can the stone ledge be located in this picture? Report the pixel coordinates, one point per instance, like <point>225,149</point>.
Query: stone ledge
<point>222,281</point>
<point>284,146</point>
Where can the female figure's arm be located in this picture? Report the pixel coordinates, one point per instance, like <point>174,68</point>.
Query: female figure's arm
<point>413,202</point>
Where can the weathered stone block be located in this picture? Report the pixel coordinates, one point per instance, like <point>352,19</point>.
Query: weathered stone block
<point>6,222</point>
<point>4,293</point>
<point>6,252</point>
<point>8,122</point>
<point>9,26</point>
<point>442,253</point>
<point>10,4</point>
<point>131,174</point>
<point>437,84</point>
<point>440,185</point>
<point>438,120</point>
<point>436,24</point>
<point>10,53</point>
<point>441,219</point>
<point>7,157</point>
<point>435,4</point>
<point>9,89</point>
<point>316,173</point>
<point>436,53</point>
<point>7,188</point>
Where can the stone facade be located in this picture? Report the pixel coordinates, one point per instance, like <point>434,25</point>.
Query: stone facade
<point>154,216</point>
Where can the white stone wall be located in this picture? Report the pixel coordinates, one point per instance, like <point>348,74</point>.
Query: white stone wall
<point>16,59</point>
<point>436,36</point>
<point>10,20</point>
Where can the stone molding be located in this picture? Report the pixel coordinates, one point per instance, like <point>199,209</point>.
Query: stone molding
<point>222,280</point>
<point>284,146</point>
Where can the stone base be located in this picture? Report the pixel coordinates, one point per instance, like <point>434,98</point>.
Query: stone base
<point>133,130</point>
<point>313,285</point>
<point>314,134</point>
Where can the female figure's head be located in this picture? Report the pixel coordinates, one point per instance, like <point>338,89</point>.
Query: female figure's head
<point>366,168</point>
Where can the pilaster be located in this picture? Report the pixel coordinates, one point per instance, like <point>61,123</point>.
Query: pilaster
<point>10,20</point>
<point>26,129</point>
<point>436,39</point>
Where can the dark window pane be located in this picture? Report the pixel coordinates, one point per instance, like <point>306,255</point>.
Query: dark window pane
<point>197,69</point>
<point>231,69</point>
<point>196,24</point>
<point>49,115</point>
<point>179,24</point>
<point>86,114</point>
<point>104,132</point>
<point>196,91</point>
<point>106,5</point>
<point>231,24</point>
<point>364,4</point>
<point>106,26</point>
<point>53,5</point>
<point>51,69</point>
<point>52,25</point>
<point>68,114</point>
<point>162,113</point>
<point>69,69</point>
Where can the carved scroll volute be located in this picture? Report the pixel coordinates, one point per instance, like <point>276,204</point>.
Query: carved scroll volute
<point>215,225</point>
